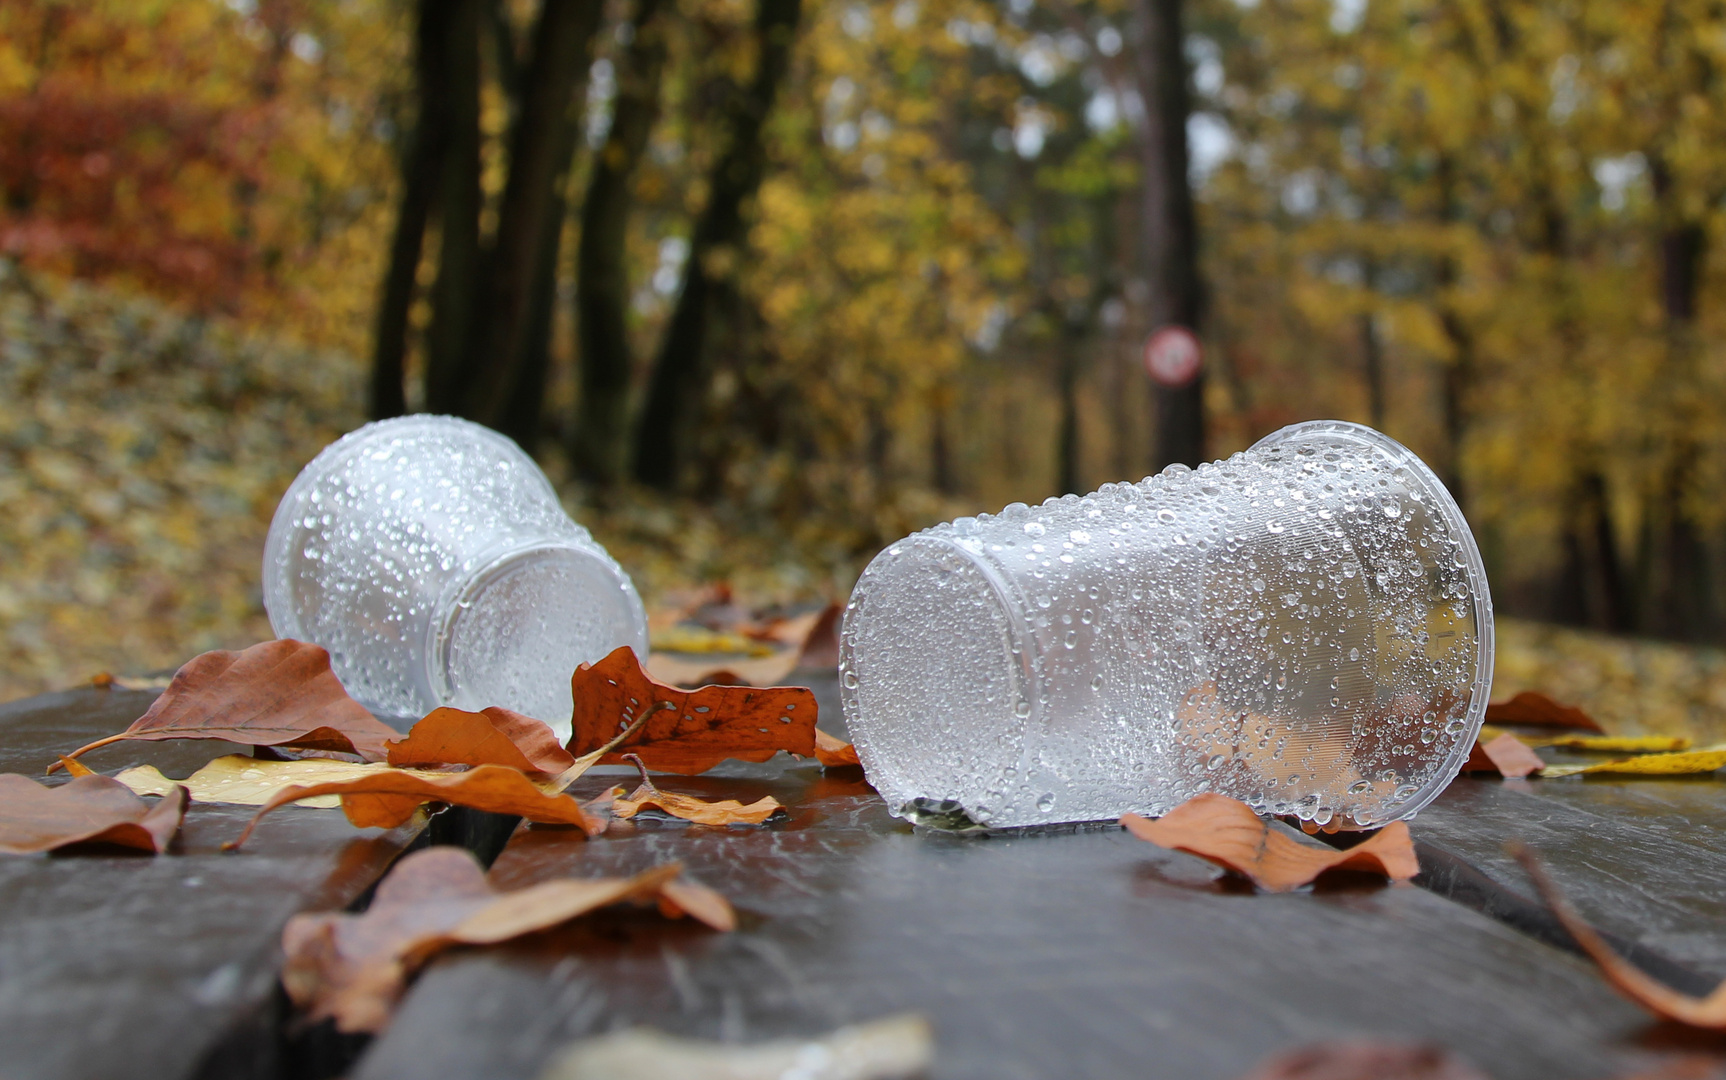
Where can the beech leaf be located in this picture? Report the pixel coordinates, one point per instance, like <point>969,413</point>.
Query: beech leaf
<point>1537,710</point>
<point>276,693</point>
<point>494,736</point>
<point>832,751</point>
<point>893,1048</point>
<point>86,809</point>
<point>353,968</point>
<point>1225,831</point>
<point>389,796</point>
<point>246,781</point>
<point>1505,755</point>
<point>1625,977</point>
<point>690,808</point>
<point>698,730</point>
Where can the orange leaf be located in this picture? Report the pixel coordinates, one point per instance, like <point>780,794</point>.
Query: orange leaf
<point>700,729</point>
<point>1537,710</point>
<point>1506,755</point>
<point>495,736</point>
<point>86,809</point>
<point>389,797</point>
<point>1625,977</point>
<point>832,751</point>
<point>1225,831</point>
<point>354,967</point>
<point>277,693</point>
<point>700,811</point>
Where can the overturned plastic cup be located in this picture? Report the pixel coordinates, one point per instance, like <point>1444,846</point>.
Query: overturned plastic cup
<point>432,558</point>
<point>1305,627</point>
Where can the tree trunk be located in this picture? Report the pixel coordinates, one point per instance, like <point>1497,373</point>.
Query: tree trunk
<point>530,215</point>
<point>599,439</point>
<point>449,343</point>
<point>1372,359</point>
<point>681,372</point>
<point>421,164</point>
<point>1171,233</point>
<point>1067,479</point>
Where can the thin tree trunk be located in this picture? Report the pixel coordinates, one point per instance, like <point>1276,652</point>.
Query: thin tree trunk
<point>1068,449</point>
<point>1171,232</point>
<point>529,217</point>
<point>1372,359</point>
<point>421,164</point>
<point>449,342</point>
<point>665,431</point>
<point>599,439</point>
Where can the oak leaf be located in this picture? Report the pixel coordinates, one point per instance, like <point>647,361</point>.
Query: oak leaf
<point>86,809</point>
<point>1625,977</point>
<point>697,730</point>
<point>389,796</point>
<point>1505,755</point>
<point>1537,710</point>
<point>1225,831</point>
<point>690,808</point>
<point>832,751</point>
<point>353,968</point>
<point>276,693</point>
<point>494,736</point>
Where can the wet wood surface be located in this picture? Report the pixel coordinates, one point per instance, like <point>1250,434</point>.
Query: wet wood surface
<point>117,964</point>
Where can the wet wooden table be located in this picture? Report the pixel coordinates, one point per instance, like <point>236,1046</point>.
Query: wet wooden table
<point>1076,955</point>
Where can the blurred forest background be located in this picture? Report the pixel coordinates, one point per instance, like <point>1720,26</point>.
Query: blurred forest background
<point>768,283</point>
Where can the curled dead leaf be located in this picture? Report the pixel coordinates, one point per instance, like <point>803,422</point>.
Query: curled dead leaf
<point>389,796</point>
<point>832,751</point>
<point>894,1048</point>
<point>245,781</point>
<point>1505,755</point>
<point>698,730</point>
<point>353,968</point>
<point>1225,831</point>
<point>86,809</point>
<point>1363,1059</point>
<point>277,693</point>
<point>1537,710</point>
<point>690,808</point>
<point>494,736</point>
<point>1625,977</point>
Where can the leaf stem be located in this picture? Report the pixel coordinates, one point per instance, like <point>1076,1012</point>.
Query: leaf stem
<point>588,761</point>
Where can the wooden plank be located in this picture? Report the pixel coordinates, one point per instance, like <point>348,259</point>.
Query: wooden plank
<point>115,964</point>
<point>1641,859</point>
<point>1088,954</point>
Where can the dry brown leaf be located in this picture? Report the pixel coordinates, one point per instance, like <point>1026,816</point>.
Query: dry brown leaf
<point>832,751</point>
<point>1225,831</point>
<point>353,968</point>
<point>1625,977</point>
<point>1537,710</point>
<point>811,640</point>
<point>389,796</point>
<point>699,730</point>
<point>1361,1059</point>
<point>1505,755</point>
<point>86,809</point>
<point>277,693</point>
<point>494,736</point>
<point>894,1048</point>
<point>690,808</point>
<point>246,781</point>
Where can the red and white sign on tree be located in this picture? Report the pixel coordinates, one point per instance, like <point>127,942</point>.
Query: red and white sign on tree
<point>1173,356</point>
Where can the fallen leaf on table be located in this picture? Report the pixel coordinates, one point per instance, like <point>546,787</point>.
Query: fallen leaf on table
<point>733,671</point>
<point>1505,755</point>
<point>832,751</point>
<point>1225,831</point>
<point>247,781</point>
<point>389,796</point>
<point>494,736</point>
<point>812,640</point>
<point>1361,1059</point>
<point>277,693</point>
<point>353,968</point>
<point>700,728</point>
<point>1703,760</point>
<point>102,680</point>
<point>695,639</point>
<point>1615,744</point>
<point>894,1048</point>
<point>1537,710</point>
<point>86,809</point>
<point>1625,977</point>
<point>690,808</point>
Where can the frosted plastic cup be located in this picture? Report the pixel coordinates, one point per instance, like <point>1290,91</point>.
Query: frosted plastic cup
<point>1305,627</point>
<point>431,557</point>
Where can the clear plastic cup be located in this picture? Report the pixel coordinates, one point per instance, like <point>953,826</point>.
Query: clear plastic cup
<point>431,557</point>
<point>1305,627</point>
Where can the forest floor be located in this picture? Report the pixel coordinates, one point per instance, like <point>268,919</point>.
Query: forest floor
<point>142,453</point>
